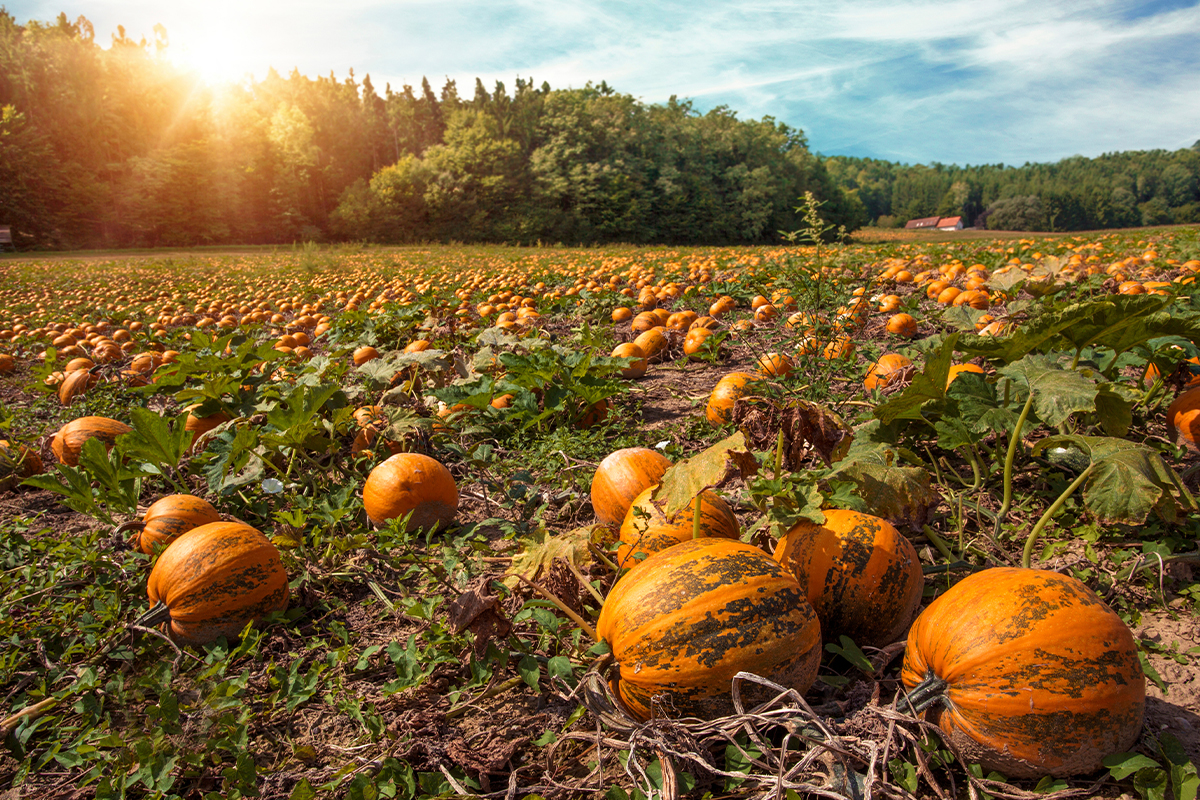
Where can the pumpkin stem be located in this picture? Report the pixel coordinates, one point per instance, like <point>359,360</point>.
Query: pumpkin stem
<point>1027,553</point>
<point>926,693</point>
<point>158,614</point>
<point>1008,463</point>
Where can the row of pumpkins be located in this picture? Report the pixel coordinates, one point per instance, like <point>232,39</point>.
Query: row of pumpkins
<point>1027,672</point>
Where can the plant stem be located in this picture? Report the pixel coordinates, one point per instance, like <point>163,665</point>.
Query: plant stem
<point>696,517</point>
<point>939,543</point>
<point>1027,553</point>
<point>1008,463</point>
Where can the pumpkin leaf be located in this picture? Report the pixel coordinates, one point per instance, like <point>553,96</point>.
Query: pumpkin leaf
<point>1057,392</point>
<point>1122,765</point>
<point>714,467</point>
<point>1114,408</point>
<point>539,551</point>
<point>1128,480</point>
<point>903,496</point>
<point>155,439</point>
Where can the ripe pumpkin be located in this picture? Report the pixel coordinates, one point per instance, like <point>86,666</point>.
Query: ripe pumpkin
<point>958,369</point>
<point>1183,418</point>
<point>75,384</point>
<point>172,516</point>
<point>902,325</point>
<point>213,580</point>
<point>68,440</point>
<point>775,365</point>
<point>1026,672</point>
<point>693,343</point>
<point>890,368</point>
<point>411,482</point>
<point>653,343</point>
<point>861,575</point>
<point>636,369</point>
<point>621,477</point>
<point>727,392</point>
<point>646,530</point>
<point>683,622</point>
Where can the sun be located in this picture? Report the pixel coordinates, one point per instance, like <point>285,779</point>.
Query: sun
<point>216,57</point>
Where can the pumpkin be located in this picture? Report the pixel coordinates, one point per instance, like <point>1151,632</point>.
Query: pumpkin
<point>683,622</point>
<point>902,325</point>
<point>364,354</point>
<point>1183,418</point>
<point>75,384</point>
<point>728,390</point>
<point>411,482</point>
<point>17,463</point>
<point>201,426</point>
<point>7,363</point>
<point>1026,672</point>
<point>775,365</point>
<point>890,368</point>
<point>68,440</point>
<point>637,368</point>
<point>214,580</point>
<point>693,342</point>
<point>652,342</point>
<point>646,530</point>
<point>592,415</point>
<point>958,369</point>
<point>861,575</point>
<point>621,477</point>
<point>172,516</point>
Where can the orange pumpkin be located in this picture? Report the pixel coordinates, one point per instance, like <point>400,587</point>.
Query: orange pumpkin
<point>646,530</point>
<point>1026,672</point>
<point>75,384</point>
<point>68,440</point>
<point>902,325</point>
<point>637,368</point>
<point>172,516</point>
<point>201,426</point>
<point>1183,418</point>
<point>621,477</point>
<point>728,390</point>
<point>890,368</point>
<point>861,575</point>
<point>652,342</point>
<point>683,622</point>
<point>411,482</point>
<point>958,369</point>
<point>214,580</point>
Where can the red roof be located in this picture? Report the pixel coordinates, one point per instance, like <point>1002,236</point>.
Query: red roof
<point>949,222</point>
<point>927,222</point>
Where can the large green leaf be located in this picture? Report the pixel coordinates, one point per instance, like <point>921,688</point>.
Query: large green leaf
<point>1057,393</point>
<point>155,439</point>
<point>903,495</point>
<point>1128,480</point>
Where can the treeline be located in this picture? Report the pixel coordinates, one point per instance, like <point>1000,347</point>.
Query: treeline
<point>1116,190</point>
<point>117,147</point>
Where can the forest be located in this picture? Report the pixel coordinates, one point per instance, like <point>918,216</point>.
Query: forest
<point>116,146</point>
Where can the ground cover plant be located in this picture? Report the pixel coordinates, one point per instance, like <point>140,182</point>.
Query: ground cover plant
<point>392,457</point>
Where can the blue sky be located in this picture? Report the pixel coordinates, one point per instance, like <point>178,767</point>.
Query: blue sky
<point>975,81</point>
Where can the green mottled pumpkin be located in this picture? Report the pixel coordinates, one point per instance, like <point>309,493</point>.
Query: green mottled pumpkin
<point>213,580</point>
<point>861,575</point>
<point>683,622</point>
<point>1026,672</point>
<point>646,530</point>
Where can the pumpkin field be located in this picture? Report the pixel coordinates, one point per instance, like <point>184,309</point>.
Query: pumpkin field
<point>902,518</point>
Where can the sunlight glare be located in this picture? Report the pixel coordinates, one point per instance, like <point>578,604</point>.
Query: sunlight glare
<point>218,54</point>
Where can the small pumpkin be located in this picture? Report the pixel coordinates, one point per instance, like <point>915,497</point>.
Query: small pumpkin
<point>68,440</point>
<point>1183,418</point>
<point>637,368</point>
<point>622,476</point>
<point>902,325</point>
<point>201,426</point>
<point>693,342</point>
<point>889,369</point>
<point>728,391</point>
<point>411,482</point>
<point>775,365</point>
<point>170,517</point>
<point>958,369</point>
<point>683,622</point>
<point>214,580</point>
<point>861,575</point>
<point>652,342</point>
<point>75,384</point>
<point>1026,672</point>
<point>646,530</point>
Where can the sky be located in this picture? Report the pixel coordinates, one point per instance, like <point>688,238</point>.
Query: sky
<point>913,81</point>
